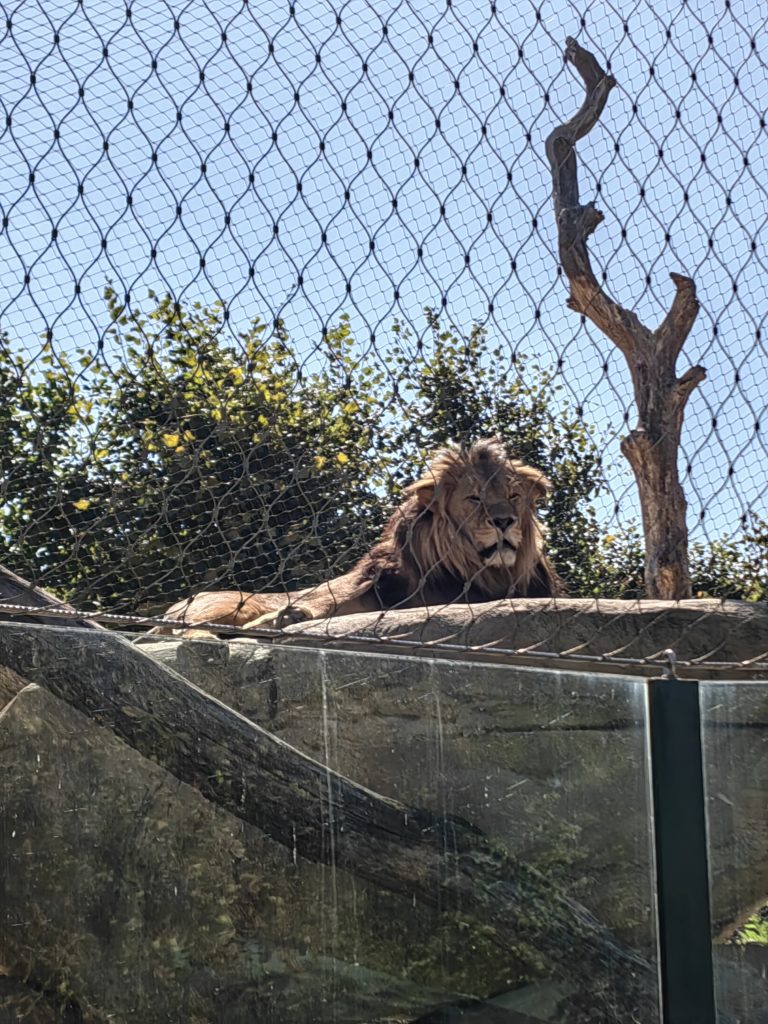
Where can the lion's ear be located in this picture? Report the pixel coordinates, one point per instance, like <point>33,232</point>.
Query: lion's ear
<point>533,481</point>
<point>422,490</point>
<point>540,486</point>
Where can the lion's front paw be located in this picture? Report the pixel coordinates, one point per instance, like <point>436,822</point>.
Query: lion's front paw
<point>279,618</point>
<point>293,614</point>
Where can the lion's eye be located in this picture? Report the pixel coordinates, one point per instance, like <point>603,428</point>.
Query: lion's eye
<point>474,497</point>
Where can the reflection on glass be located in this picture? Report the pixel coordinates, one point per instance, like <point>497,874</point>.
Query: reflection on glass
<point>735,746</point>
<point>496,867</point>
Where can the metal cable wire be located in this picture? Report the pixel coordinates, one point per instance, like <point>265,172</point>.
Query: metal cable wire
<point>664,660</point>
<point>221,227</point>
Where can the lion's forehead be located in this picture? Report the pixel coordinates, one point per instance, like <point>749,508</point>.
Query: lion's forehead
<point>486,475</point>
<point>499,480</point>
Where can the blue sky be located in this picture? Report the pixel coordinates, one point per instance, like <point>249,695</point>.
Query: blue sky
<point>296,165</point>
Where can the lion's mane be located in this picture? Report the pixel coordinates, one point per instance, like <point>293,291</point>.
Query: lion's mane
<point>428,550</point>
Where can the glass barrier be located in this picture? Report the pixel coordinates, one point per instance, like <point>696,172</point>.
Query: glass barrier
<point>735,750</point>
<point>403,839</point>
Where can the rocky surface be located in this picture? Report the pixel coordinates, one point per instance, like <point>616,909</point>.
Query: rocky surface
<point>696,630</point>
<point>129,896</point>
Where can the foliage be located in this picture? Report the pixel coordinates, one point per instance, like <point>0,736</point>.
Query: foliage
<point>727,569</point>
<point>41,476</point>
<point>754,931</point>
<point>189,462</point>
<point>723,568</point>
<point>197,458</point>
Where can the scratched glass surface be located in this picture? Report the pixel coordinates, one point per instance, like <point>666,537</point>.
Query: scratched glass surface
<point>395,839</point>
<point>735,743</point>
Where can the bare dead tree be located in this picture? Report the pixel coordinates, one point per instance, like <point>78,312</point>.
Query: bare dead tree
<point>661,396</point>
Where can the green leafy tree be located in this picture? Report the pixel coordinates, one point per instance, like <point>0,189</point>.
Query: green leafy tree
<point>733,569</point>
<point>459,388</point>
<point>725,568</point>
<point>41,475</point>
<point>191,462</point>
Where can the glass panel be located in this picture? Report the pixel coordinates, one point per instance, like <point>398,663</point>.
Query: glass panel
<point>735,746</point>
<point>474,847</point>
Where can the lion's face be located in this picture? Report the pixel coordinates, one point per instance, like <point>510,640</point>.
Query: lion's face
<point>481,510</point>
<point>488,509</point>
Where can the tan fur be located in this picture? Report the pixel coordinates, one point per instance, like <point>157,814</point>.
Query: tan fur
<point>466,531</point>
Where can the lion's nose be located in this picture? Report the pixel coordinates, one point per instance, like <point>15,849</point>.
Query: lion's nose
<point>503,522</point>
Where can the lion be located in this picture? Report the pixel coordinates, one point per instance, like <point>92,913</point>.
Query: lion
<point>467,531</point>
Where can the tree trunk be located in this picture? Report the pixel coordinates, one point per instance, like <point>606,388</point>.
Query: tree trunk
<point>652,447</point>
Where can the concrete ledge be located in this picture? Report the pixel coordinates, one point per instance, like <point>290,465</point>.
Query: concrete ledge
<point>697,630</point>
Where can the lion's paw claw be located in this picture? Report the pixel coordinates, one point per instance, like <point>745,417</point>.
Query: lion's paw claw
<point>290,615</point>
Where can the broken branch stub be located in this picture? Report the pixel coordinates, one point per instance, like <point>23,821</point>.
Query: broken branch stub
<point>652,446</point>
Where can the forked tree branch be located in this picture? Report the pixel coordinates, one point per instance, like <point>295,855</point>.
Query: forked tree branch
<point>652,447</point>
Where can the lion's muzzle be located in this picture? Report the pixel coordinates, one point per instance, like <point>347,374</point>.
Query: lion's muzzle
<point>504,550</point>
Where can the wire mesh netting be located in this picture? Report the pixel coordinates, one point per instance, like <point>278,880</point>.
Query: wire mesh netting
<point>260,261</point>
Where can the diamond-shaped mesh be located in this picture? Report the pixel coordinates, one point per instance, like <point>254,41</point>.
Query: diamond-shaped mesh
<point>258,260</point>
